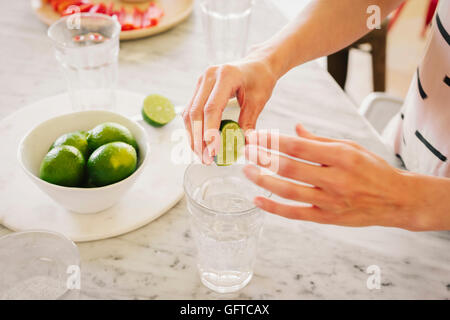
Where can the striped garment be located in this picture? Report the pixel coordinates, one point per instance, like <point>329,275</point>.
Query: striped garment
<point>420,133</point>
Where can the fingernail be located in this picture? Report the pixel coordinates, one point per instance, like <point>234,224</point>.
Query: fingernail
<point>299,128</point>
<point>206,158</point>
<point>250,171</point>
<point>251,137</point>
<point>211,149</point>
<point>258,202</point>
<point>251,152</point>
<point>210,160</point>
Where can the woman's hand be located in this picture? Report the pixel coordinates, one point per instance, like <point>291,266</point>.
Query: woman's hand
<point>251,81</point>
<point>347,185</point>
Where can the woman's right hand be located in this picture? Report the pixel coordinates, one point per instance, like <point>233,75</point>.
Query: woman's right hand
<point>250,80</point>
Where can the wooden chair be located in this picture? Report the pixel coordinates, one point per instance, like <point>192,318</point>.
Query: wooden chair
<point>338,62</point>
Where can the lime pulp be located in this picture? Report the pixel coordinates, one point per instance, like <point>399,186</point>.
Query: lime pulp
<point>157,110</point>
<point>232,143</point>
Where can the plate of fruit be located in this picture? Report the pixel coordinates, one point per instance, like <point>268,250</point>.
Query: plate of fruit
<point>138,18</point>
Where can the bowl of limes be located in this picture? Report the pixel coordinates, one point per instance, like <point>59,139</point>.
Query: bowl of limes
<point>85,161</point>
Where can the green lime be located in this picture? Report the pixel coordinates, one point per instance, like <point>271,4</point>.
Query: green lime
<point>158,110</point>
<point>64,166</point>
<point>77,139</point>
<point>109,132</point>
<point>111,163</point>
<point>232,143</point>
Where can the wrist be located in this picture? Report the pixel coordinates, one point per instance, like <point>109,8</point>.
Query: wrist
<point>270,56</point>
<point>408,203</point>
<point>424,202</point>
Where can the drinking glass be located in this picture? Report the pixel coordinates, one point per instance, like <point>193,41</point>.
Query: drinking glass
<point>225,223</point>
<point>226,24</point>
<point>87,48</point>
<point>38,265</point>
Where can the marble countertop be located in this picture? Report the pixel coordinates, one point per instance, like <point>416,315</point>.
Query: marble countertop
<point>296,260</point>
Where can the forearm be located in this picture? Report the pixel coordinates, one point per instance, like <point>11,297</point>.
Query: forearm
<point>428,202</point>
<point>323,27</point>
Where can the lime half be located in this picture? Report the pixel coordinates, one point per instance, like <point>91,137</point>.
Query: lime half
<point>232,143</point>
<point>158,110</point>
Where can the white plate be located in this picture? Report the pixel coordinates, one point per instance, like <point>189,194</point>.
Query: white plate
<point>23,206</point>
<point>175,12</point>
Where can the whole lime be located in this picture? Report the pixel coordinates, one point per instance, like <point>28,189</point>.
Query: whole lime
<point>109,132</point>
<point>77,139</point>
<point>111,163</point>
<point>64,166</point>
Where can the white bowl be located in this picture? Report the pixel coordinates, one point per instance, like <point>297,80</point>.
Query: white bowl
<point>34,146</point>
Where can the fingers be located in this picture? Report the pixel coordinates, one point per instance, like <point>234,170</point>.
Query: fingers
<point>186,118</point>
<point>248,115</point>
<point>203,115</point>
<point>306,213</point>
<point>298,147</point>
<point>302,132</point>
<point>311,213</point>
<point>283,188</point>
<point>214,107</point>
<point>286,167</point>
<point>194,115</point>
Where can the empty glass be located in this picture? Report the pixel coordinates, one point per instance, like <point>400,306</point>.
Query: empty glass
<point>226,24</point>
<point>87,47</point>
<point>38,265</point>
<point>225,223</point>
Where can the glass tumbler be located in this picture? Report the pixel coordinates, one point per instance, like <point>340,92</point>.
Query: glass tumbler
<point>87,48</point>
<point>38,265</point>
<point>225,223</point>
<point>226,24</point>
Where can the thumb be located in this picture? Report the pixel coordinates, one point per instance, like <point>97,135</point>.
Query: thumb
<point>248,114</point>
<point>248,118</point>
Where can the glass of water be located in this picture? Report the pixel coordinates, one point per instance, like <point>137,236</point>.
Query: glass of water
<point>226,25</point>
<point>87,48</point>
<point>225,223</point>
<point>38,265</point>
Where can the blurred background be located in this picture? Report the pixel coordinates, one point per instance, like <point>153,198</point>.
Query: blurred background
<point>404,48</point>
<point>405,43</point>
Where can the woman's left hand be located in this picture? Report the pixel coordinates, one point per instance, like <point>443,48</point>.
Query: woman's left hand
<point>345,185</point>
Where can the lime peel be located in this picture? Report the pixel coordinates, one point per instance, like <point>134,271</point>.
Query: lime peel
<point>158,110</point>
<point>232,143</point>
